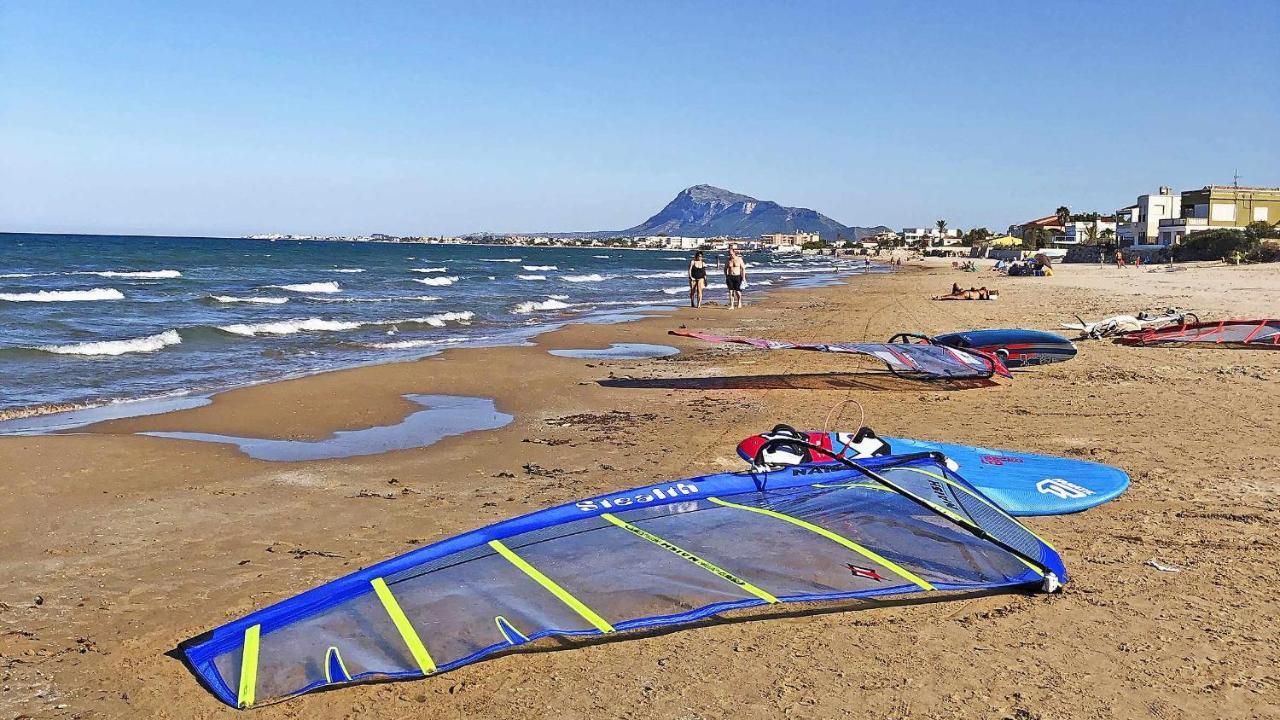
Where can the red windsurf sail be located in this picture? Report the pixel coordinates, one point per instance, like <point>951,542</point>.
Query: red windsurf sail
<point>929,362</point>
<point>1232,333</point>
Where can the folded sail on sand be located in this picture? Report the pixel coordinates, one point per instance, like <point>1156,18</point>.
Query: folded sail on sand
<point>927,362</point>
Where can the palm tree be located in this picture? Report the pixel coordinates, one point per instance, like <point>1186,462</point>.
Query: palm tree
<point>1064,215</point>
<point>1091,234</point>
<point>942,229</point>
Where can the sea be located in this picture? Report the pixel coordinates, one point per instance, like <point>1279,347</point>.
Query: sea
<point>87,321</point>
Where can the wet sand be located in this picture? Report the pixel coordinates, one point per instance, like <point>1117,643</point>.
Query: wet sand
<point>118,546</point>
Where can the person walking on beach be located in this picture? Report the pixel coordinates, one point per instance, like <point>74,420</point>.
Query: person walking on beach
<point>697,279</point>
<point>735,275</point>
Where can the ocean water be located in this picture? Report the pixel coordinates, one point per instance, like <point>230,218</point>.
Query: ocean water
<point>91,320</point>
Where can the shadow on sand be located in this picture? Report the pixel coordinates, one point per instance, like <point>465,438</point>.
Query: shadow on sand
<point>879,381</point>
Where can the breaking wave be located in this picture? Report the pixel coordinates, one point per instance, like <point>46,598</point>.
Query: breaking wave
<point>540,267</point>
<point>315,287</point>
<point>259,300</point>
<point>650,276</point>
<point>532,277</point>
<point>150,343</point>
<point>502,259</point>
<point>288,327</point>
<point>593,277</point>
<point>409,344</point>
<point>437,281</point>
<point>347,270</point>
<point>140,274</point>
<point>429,270</point>
<point>525,308</point>
<point>292,327</point>
<point>64,295</point>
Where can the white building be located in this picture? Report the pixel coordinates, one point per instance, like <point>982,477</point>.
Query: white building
<point>786,240</point>
<point>1078,232</point>
<point>1139,224</point>
<point>929,236</point>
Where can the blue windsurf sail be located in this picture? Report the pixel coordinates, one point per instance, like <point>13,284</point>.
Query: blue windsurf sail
<point>665,555</point>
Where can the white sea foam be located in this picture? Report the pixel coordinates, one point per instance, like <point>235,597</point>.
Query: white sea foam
<point>347,270</point>
<point>436,320</point>
<point>532,277</point>
<point>315,287</point>
<point>141,274</point>
<point>19,275</point>
<point>675,290</point>
<point>150,343</point>
<point>525,308</point>
<point>593,277</point>
<point>540,267</point>
<point>602,257</point>
<point>780,270</point>
<point>427,298</point>
<point>408,344</point>
<point>429,270</point>
<point>650,276</point>
<point>260,300</point>
<point>675,257</point>
<point>289,327</point>
<point>558,297</point>
<point>64,295</point>
<point>502,259</point>
<point>437,281</point>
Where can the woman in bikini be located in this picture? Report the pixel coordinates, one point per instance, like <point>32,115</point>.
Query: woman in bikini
<point>697,279</point>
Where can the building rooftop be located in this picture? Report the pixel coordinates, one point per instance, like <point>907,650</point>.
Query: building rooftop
<point>1241,187</point>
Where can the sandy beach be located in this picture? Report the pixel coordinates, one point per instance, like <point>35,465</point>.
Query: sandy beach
<point>119,546</point>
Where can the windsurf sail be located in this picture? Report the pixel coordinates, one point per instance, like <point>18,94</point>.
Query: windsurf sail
<point>666,555</point>
<point>1233,333</point>
<point>923,361</point>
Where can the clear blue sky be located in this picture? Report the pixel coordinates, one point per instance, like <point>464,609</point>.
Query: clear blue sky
<point>418,117</point>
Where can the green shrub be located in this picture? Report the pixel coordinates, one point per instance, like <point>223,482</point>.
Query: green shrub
<point>1265,252</point>
<point>1214,245</point>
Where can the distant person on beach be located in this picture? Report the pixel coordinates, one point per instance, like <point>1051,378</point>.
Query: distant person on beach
<point>958,293</point>
<point>735,275</point>
<point>1119,259</point>
<point>697,279</point>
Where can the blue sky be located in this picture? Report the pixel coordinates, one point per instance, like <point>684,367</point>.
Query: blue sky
<point>426,118</point>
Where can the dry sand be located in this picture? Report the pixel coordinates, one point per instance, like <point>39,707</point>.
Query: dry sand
<point>116,547</point>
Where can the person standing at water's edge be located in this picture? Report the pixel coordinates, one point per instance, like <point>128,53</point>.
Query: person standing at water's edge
<point>735,275</point>
<point>697,279</point>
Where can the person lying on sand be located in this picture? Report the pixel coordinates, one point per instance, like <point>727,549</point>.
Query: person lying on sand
<point>957,293</point>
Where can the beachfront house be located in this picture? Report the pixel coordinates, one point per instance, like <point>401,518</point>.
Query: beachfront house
<point>1085,232</point>
<point>1139,224</point>
<point>1220,206</point>
<point>787,241</point>
<point>929,236</point>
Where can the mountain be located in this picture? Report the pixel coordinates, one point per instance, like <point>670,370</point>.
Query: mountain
<point>707,211</point>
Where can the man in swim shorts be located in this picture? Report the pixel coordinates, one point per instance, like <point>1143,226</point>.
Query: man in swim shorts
<point>735,274</point>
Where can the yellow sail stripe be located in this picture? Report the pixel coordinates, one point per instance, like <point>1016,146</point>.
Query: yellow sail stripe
<point>981,499</point>
<point>552,587</point>
<point>846,542</point>
<point>330,655</point>
<point>407,633</point>
<point>249,666</point>
<point>681,552</point>
<point>867,485</point>
<point>503,624</point>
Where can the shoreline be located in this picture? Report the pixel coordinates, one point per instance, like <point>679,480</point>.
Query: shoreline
<point>21,419</point>
<point>135,543</point>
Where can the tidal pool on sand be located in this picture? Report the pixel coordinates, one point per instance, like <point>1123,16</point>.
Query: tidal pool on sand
<point>618,351</point>
<point>443,416</point>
